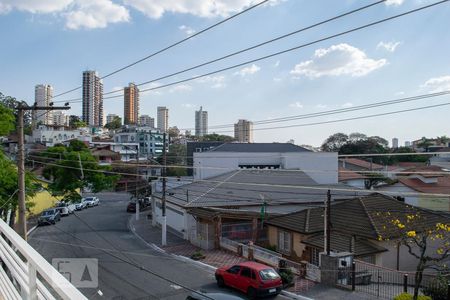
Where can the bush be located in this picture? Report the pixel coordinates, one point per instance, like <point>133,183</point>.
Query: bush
<point>271,248</point>
<point>437,288</point>
<point>286,276</point>
<point>197,255</point>
<point>406,296</point>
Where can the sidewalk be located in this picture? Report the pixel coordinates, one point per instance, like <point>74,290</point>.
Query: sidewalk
<point>217,258</point>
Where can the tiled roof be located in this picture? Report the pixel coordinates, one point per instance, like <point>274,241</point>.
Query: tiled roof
<point>345,175</point>
<point>259,147</point>
<point>442,186</point>
<point>342,243</point>
<point>425,171</point>
<point>362,216</point>
<point>362,163</point>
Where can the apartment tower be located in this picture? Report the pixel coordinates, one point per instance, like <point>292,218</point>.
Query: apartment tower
<point>131,105</point>
<point>43,94</point>
<point>92,99</point>
<point>147,121</point>
<point>243,131</point>
<point>163,118</point>
<point>201,122</point>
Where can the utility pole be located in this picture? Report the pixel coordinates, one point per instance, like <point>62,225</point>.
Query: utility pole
<point>163,206</point>
<point>82,172</point>
<point>136,185</point>
<point>22,221</point>
<point>328,223</point>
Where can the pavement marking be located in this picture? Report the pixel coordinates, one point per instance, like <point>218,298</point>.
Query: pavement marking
<point>177,287</point>
<point>31,230</point>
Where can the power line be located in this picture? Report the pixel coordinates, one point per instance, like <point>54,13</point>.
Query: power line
<point>283,51</point>
<point>172,45</point>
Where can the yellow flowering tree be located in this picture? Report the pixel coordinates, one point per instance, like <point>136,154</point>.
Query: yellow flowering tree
<point>425,235</point>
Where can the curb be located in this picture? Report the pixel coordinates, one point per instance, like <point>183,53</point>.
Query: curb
<point>31,229</point>
<point>199,263</point>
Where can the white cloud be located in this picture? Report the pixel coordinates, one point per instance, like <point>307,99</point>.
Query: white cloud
<point>437,84</point>
<point>201,8</point>
<point>95,14</point>
<point>277,79</point>
<point>215,81</point>
<point>187,30</point>
<point>394,2</point>
<point>296,105</point>
<point>321,106</point>
<point>341,59</point>
<point>188,105</point>
<point>388,46</point>
<point>248,70</point>
<point>347,105</point>
<point>181,88</point>
<point>276,64</point>
<point>34,6</point>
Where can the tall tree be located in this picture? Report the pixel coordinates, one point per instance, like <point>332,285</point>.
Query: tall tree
<point>12,103</point>
<point>334,142</point>
<point>217,137</point>
<point>6,120</point>
<point>116,123</point>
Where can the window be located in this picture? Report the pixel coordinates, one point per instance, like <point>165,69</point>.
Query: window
<point>284,241</point>
<point>234,269</point>
<point>246,272</point>
<point>268,274</point>
<point>253,274</point>
<point>315,254</point>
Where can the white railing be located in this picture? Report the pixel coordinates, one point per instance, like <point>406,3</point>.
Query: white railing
<point>266,256</point>
<point>312,272</point>
<point>22,267</point>
<point>229,244</point>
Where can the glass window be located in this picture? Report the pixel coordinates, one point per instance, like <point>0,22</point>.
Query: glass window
<point>268,274</point>
<point>246,272</point>
<point>234,269</point>
<point>284,241</point>
<point>315,253</point>
<point>253,275</point>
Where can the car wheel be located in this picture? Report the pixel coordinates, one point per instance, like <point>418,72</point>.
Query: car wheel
<point>53,222</point>
<point>251,293</point>
<point>220,282</point>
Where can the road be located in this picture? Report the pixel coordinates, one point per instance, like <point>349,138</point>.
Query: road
<point>125,263</point>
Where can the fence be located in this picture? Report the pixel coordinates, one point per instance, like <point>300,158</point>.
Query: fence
<point>380,282</point>
<point>25,274</point>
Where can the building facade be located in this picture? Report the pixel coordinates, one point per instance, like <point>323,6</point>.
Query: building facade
<point>201,122</point>
<point>395,143</point>
<point>163,118</point>
<point>147,121</point>
<point>131,105</point>
<point>110,118</point>
<point>243,131</point>
<point>43,94</point>
<point>49,136</point>
<point>150,140</point>
<point>60,118</point>
<point>92,99</point>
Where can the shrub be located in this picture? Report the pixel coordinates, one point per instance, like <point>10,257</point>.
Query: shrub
<point>437,289</point>
<point>286,276</point>
<point>406,296</point>
<point>197,255</point>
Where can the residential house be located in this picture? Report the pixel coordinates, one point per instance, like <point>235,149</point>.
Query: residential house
<point>426,186</point>
<point>356,227</point>
<point>352,178</point>
<point>356,164</point>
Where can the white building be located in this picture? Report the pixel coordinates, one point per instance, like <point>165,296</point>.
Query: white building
<point>43,94</point>
<point>92,99</point>
<point>150,140</point>
<point>147,121</point>
<point>163,118</point>
<point>243,131</point>
<point>395,143</point>
<point>60,118</point>
<point>110,118</point>
<point>50,136</point>
<point>127,151</point>
<point>201,122</point>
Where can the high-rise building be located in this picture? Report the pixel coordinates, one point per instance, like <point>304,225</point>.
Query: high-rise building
<point>43,94</point>
<point>243,131</point>
<point>201,122</point>
<point>163,118</point>
<point>407,144</point>
<point>146,120</point>
<point>92,99</point>
<point>110,118</point>
<point>131,104</point>
<point>60,118</point>
<point>395,143</point>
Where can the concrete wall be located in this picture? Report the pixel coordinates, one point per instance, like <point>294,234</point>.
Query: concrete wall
<point>176,217</point>
<point>322,167</point>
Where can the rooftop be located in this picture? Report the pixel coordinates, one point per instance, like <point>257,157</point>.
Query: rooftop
<point>259,147</point>
<point>362,163</point>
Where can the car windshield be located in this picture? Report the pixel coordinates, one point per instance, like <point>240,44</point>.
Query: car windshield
<point>88,199</point>
<point>47,213</point>
<point>268,274</point>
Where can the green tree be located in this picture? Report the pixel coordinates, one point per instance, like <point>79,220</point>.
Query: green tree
<point>6,120</point>
<point>176,157</point>
<point>217,137</point>
<point>116,123</point>
<point>65,173</point>
<point>443,140</point>
<point>424,143</point>
<point>418,235</point>
<point>334,142</point>
<point>406,158</point>
<point>174,132</point>
<point>12,103</point>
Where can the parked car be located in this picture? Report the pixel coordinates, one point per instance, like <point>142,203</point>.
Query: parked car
<point>90,202</point>
<point>63,211</point>
<point>252,278</point>
<point>131,207</point>
<point>80,205</point>
<point>201,295</point>
<point>49,216</point>
<point>70,206</point>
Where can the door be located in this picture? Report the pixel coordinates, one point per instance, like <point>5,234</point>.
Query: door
<point>231,276</point>
<point>245,279</point>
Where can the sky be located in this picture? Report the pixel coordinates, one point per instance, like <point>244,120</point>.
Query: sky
<point>54,41</point>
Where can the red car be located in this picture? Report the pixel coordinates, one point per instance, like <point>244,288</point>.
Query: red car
<point>250,277</point>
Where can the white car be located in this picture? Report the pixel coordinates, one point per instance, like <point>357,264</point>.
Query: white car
<point>80,205</point>
<point>70,206</point>
<point>90,201</point>
<point>63,211</point>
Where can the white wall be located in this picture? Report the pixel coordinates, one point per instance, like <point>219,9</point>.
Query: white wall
<point>175,217</point>
<point>322,167</point>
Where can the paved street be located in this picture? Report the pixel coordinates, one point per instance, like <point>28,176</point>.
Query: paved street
<point>73,237</point>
